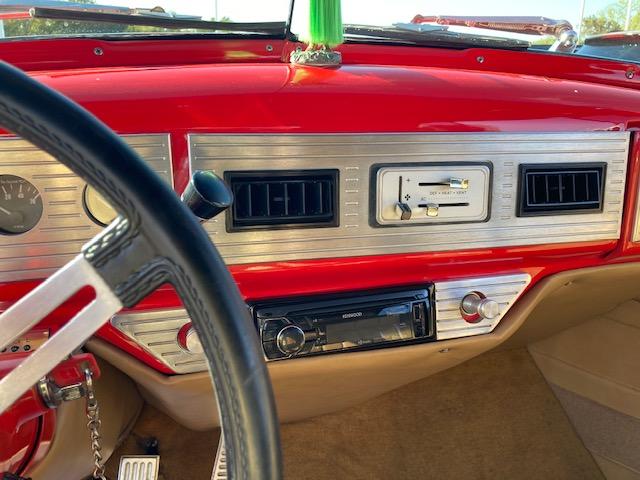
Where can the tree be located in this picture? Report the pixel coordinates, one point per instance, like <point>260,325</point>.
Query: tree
<point>35,27</point>
<point>612,18</point>
<point>38,26</point>
<point>596,24</point>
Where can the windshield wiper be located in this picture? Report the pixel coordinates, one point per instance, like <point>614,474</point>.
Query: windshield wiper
<point>157,17</point>
<point>562,30</point>
<point>436,37</point>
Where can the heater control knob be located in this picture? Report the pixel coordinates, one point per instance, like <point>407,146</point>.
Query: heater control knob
<point>476,307</point>
<point>188,340</point>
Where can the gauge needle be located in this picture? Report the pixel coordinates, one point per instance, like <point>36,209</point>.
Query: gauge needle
<point>5,211</point>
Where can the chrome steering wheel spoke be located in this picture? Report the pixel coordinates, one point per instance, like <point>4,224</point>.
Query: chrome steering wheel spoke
<point>33,307</point>
<point>121,268</point>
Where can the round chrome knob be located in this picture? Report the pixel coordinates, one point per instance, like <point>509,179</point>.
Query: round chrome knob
<point>290,340</point>
<point>188,339</point>
<point>475,307</point>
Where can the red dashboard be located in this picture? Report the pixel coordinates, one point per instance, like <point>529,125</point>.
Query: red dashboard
<point>399,92</point>
<point>187,87</point>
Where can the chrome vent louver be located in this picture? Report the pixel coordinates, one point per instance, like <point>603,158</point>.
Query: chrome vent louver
<point>283,199</point>
<point>561,189</point>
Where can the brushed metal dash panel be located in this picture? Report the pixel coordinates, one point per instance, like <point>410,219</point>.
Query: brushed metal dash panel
<point>354,155</point>
<point>504,289</point>
<point>65,226</point>
<point>157,332</point>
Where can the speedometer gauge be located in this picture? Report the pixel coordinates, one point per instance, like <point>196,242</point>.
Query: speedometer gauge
<point>20,205</point>
<point>97,207</point>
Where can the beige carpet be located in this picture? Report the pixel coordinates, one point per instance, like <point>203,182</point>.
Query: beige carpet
<point>491,418</point>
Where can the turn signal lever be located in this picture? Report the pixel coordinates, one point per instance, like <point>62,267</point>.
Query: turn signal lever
<point>207,195</point>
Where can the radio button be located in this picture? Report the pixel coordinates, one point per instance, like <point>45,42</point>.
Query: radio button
<point>290,340</point>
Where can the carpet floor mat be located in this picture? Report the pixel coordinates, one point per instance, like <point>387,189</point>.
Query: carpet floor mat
<point>493,417</point>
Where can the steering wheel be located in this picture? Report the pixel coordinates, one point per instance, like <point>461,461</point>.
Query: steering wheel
<point>155,240</point>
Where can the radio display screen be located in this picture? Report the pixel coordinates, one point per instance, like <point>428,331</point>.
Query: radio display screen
<point>370,325</point>
<point>330,324</point>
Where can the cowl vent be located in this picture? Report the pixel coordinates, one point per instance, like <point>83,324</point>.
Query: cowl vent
<point>553,189</point>
<point>283,199</point>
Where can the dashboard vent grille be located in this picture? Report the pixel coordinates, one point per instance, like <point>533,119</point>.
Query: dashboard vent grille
<point>561,188</point>
<point>283,199</point>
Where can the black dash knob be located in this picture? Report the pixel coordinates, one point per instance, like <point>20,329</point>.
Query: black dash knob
<point>207,195</point>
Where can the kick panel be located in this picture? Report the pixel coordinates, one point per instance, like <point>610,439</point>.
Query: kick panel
<point>426,194</point>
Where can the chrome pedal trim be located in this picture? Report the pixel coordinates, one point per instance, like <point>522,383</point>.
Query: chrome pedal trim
<point>504,289</point>
<point>355,154</point>
<point>140,467</point>
<point>220,467</point>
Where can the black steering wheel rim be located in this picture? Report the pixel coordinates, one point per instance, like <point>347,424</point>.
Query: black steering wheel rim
<point>157,240</point>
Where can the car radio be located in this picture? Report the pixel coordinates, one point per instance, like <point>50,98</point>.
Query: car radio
<point>329,324</point>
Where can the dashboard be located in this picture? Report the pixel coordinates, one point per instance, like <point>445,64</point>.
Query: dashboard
<point>301,197</point>
<point>464,191</point>
<point>393,217</point>
<point>364,220</point>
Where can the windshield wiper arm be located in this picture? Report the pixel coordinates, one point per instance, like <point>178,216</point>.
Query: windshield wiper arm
<point>432,37</point>
<point>54,10</point>
<point>562,30</point>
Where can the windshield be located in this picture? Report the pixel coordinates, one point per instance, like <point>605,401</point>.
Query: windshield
<point>17,21</point>
<point>589,20</point>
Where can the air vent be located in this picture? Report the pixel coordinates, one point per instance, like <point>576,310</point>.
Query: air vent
<point>561,189</point>
<point>283,199</point>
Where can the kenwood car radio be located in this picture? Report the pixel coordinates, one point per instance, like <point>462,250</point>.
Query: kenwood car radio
<point>329,324</point>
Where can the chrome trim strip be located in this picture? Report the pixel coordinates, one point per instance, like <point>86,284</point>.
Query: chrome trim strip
<point>636,223</point>
<point>354,156</point>
<point>504,289</point>
<point>64,226</point>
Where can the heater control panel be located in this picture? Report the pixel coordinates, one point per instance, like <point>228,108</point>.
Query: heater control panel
<point>433,193</point>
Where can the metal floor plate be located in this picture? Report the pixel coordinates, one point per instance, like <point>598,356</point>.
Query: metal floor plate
<point>220,468</point>
<point>140,467</point>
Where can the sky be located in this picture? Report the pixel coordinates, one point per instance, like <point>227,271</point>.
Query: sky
<point>374,12</point>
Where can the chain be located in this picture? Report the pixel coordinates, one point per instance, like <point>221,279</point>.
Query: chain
<point>93,415</point>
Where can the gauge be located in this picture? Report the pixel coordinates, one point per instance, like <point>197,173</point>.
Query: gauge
<point>97,207</point>
<point>20,205</point>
